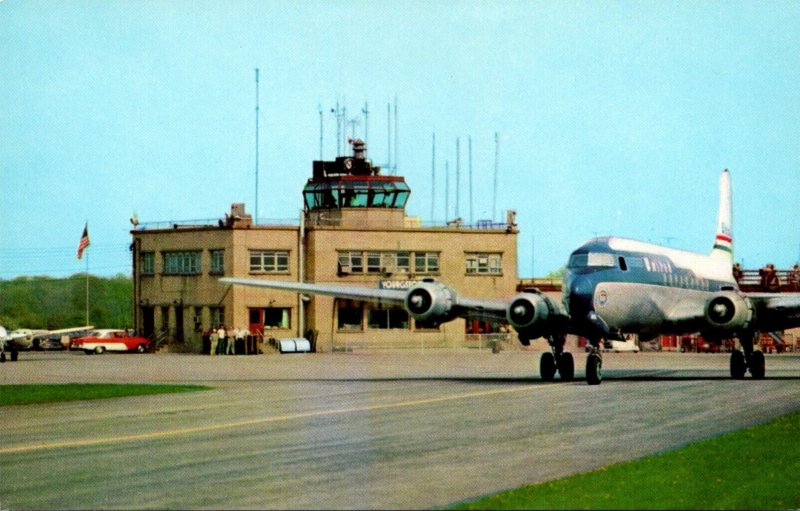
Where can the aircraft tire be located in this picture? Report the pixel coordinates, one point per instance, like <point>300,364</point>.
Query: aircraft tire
<point>14,355</point>
<point>547,366</point>
<point>3,357</point>
<point>738,365</point>
<point>566,367</point>
<point>757,365</point>
<point>594,369</point>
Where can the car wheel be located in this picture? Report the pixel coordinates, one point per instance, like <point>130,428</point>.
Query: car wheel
<point>141,348</point>
<point>100,350</point>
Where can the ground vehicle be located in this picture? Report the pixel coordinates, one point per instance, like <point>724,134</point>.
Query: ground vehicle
<point>99,341</point>
<point>620,346</point>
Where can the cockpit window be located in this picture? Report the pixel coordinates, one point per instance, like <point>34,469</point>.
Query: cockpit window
<point>592,260</point>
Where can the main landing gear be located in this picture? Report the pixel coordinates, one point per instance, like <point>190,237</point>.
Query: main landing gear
<point>594,364</point>
<point>557,360</point>
<point>747,359</point>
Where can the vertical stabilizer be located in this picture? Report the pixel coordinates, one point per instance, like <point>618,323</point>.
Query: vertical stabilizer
<point>723,242</point>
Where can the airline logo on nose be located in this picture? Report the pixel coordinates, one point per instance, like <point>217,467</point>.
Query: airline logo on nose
<point>602,297</point>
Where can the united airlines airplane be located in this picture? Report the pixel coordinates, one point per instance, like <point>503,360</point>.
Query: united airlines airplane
<point>613,286</point>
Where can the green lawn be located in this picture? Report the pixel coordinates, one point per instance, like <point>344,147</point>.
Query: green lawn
<point>51,393</point>
<point>754,468</point>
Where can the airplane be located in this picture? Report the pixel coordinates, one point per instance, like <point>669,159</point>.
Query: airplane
<point>25,338</point>
<point>612,287</point>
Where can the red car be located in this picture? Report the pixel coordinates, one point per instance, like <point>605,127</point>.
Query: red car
<point>100,341</point>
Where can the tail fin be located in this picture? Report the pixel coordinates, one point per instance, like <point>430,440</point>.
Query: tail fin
<point>723,243</point>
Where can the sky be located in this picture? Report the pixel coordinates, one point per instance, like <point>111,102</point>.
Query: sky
<point>611,118</point>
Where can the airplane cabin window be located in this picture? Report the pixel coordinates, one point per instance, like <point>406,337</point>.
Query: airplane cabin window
<point>601,260</point>
<point>622,265</point>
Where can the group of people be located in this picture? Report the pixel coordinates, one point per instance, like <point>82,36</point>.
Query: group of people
<point>768,277</point>
<point>223,342</point>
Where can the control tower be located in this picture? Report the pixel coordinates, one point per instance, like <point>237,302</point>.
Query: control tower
<point>351,191</point>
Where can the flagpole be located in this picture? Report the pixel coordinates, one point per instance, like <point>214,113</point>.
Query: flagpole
<point>87,288</point>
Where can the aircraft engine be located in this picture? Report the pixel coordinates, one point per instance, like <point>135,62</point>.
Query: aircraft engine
<point>530,314</point>
<point>728,311</point>
<point>430,301</point>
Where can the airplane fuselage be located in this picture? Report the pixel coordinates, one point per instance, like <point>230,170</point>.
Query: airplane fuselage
<point>615,286</point>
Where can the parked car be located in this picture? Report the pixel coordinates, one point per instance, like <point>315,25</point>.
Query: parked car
<point>100,341</point>
<point>620,346</point>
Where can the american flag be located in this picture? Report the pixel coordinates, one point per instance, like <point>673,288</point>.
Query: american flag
<point>84,242</point>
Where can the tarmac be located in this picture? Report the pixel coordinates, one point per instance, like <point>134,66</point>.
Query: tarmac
<point>356,430</point>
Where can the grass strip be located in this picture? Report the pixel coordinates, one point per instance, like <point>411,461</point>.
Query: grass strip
<point>54,393</point>
<point>752,468</point>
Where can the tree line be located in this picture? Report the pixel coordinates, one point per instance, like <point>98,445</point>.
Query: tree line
<point>51,303</point>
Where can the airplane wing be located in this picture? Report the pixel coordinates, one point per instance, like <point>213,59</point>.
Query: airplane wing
<point>487,309</point>
<point>367,294</point>
<point>776,311</point>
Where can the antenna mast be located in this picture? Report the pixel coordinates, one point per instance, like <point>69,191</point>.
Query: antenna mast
<point>496,159</point>
<point>394,173</point>
<point>433,175</point>
<point>256,217</point>
<point>319,108</point>
<point>446,189</point>
<point>470,180</point>
<point>365,111</point>
<point>458,175</point>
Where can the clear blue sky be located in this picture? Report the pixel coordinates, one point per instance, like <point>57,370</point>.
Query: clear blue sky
<point>613,117</point>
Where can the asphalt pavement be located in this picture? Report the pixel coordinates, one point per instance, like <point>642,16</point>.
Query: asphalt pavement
<point>356,430</point>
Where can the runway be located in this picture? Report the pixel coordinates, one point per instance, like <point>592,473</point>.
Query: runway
<point>370,430</point>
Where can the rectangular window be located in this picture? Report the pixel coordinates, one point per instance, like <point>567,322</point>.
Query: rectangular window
<point>217,316</point>
<point>218,261</point>
<point>403,263</point>
<point>349,315</point>
<point>351,262</point>
<point>426,262</point>
<point>182,263</point>
<point>276,317</point>
<point>148,260</point>
<point>373,262</point>
<point>380,318</point>
<point>484,263</point>
<point>269,261</point>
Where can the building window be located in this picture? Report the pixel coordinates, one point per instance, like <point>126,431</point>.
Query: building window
<point>349,314</point>
<point>217,316</point>
<point>276,317</point>
<point>388,262</point>
<point>218,261</point>
<point>182,263</point>
<point>373,262</point>
<point>148,266</point>
<point>351,262</point>
<point>380,318</point>
<point>269,261</point>
<point>425,325</point>
<point>426,262</point>
<point>484,263</point>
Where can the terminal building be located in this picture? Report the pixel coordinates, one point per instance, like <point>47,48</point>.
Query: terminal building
<point>353,230</point>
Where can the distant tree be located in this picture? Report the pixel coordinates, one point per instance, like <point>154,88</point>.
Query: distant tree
<point>49,303</point>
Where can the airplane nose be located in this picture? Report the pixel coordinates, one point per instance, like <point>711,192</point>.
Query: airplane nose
<point>580,297</point>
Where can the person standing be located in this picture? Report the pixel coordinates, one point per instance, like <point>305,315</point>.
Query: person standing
<point>222,340</point>
<point>794,277</point>
<point>214,340</point>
